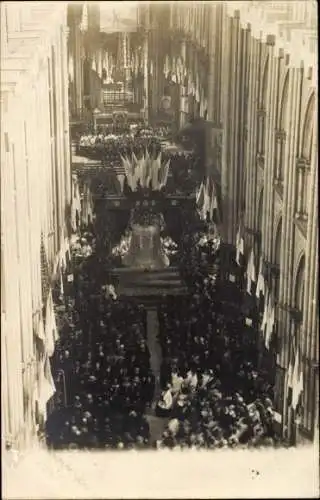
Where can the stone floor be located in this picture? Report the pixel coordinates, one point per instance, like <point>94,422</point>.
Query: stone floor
<point>157,425</point>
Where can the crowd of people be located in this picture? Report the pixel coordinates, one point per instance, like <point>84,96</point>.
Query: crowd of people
<point>199,255</point>
<point>105,133</point>
<point>212,392</point>
<point>110,148</point>
<point>101,365</point>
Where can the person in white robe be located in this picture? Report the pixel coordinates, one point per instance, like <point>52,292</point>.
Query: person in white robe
<point>176,382</point>
<point>191,380</point>
<point>174,426</point>
<point>165,403</point>
<point>207,377</point>
<point>110,292</point>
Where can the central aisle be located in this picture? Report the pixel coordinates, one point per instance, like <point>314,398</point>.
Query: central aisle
<point>154,347</point>
<point>157,425</point>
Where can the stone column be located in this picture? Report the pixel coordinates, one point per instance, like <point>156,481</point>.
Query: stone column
<point>60,135</point>
<point>225,111</point>
<point>235,166</point>
<point>299,208</point>
<point>269,148</point>
<point>252,168</point>
<point>52,208</point>
<point>67,165</point>
<point>183,89</point>
<point>310,311</point>
<point>316,410</point>
<point>71,55</point>
<point>145,78</point>
<point>153,56</point>
<point>11,333</point>
<point>244,100</point>
<point>277,158</point>
<point>77,63</point>
<point>249,164</point>
<point>314,309</point>
<point>212,66</point>
<point>287,247</point>
<point>289,193</point>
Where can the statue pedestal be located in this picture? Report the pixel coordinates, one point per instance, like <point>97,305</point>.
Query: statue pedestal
<point>150,286</point>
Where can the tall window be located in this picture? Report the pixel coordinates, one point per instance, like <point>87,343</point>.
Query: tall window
<point>303,163</point>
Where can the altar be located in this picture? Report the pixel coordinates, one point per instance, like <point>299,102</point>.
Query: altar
<point>143,214</point>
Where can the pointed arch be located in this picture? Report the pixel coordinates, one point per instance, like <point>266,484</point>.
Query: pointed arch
<point>277,257</point>
<point>307,131</point>
<point>278,242</point>
<point>299,283</point>
<point>260,211</point>
<point>284,103</point>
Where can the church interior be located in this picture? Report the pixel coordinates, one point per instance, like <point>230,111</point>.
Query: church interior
<point>159,225</point>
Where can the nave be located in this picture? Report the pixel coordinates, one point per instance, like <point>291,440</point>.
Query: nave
<point>175,372</point>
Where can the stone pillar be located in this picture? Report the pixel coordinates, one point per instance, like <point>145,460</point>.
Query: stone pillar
<point>153,71</point>
<point>145,78</point>
<point>67,165</point>
<point>10,335</point>
<point>310,310</point>
<point>77,63</point>
<point>279,156</point>
<point>287,247</point>
<point>235,165</point>
<point>184,108</point>
<point>243,112</point>
<point>73,83</point>
<point>52,207</point>
<point>226,230</point>
<point>316,410</point>
<point>299,206</point>
<point>314,296</point>
<point>80,59</point>
<point>271,108</point>
<point>251,163</point>
<point>60,135</point>
<point>212,66</point>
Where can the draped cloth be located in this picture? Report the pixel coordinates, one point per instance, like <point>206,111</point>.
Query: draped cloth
<point>145,250</point>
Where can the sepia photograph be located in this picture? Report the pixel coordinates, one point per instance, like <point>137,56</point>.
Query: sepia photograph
<point>159,249</point>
